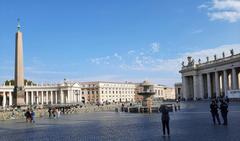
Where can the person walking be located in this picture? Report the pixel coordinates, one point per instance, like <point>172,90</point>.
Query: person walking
<point>165,119</point>
<point>224,111</point>
<point>32,116</point>
<point>49,112</point>
<point>58,113</point>
<point>28,115</point>
<point>214,112</point>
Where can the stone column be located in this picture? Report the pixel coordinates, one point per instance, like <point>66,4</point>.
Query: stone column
<point>217,84</point>
<point>62,96</point>
<point>10,98</point>
<point>195,87</point>
<point>4,99</point>
<point>201,86</point>
<point>27,98</point>
<point>80,96</point>
<point>225,82</point>
<point>42,96</point>
<point>184,87</point>
<point>234,79</point>
<point>37,98</point>
<point>47,97</point>
<point>31,97</point>
<point>51,97</point>
<point>56,98</point>
<point>68,97</point>
<point>209,85</point>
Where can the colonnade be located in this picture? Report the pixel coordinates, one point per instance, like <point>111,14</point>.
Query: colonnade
<point>211,84</point>
<point>43,97</point>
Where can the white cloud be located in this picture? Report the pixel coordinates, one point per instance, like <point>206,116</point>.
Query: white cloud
<point>148,62</point>
<point>153,64</point>
<point>100,60</point>
<point>202,54</point>
<point>118,56</point>
<point>155,47</point>
<point>228,10</point>
<point>130,52</point>
<point>197,31</point>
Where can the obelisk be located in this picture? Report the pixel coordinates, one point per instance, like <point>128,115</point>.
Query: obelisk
<point>19,93</point>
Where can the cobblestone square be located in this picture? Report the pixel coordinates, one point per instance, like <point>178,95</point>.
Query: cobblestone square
<point>192,123</point>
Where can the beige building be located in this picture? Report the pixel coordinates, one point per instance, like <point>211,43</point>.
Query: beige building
<point>212,78</point>
<point>103,92</point>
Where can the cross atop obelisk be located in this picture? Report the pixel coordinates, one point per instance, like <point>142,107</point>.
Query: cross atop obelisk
<point>18,25</point>
<point>18,98</point>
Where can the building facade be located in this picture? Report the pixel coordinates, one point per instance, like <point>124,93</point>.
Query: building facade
<point>212,78</point>
<point>98,92</point>
<point>47,94</point>
<point>104,92</point>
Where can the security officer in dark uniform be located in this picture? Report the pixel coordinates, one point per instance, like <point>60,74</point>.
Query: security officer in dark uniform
<point>214,111</point>
<point>224,111</point>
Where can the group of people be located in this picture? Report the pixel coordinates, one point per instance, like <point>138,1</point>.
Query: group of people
<point>30,116</point>
<point>54,113</point>
<point>214,106</point>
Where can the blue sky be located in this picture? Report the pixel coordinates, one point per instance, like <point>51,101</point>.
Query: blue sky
<point>115,40</point>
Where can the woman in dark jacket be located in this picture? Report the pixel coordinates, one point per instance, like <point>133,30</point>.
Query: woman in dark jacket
<point>165,119</point>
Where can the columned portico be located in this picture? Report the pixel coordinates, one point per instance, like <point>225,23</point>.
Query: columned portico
<point>214,78</point>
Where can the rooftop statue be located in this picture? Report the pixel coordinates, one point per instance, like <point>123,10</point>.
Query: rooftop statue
<point>190,61</point>
<point>183,64</point>
<point>232,52</point>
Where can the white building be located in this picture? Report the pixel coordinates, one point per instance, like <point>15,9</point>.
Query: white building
<point>212,78</point>
<point>82,92</point>
<point>47,94</point>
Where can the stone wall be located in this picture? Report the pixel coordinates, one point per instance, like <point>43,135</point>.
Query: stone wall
<point>19,114</point>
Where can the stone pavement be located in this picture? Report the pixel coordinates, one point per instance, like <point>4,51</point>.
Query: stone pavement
<point>193,123</point>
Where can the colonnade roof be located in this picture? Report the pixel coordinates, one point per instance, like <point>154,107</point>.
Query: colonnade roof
<point>191,66</point>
